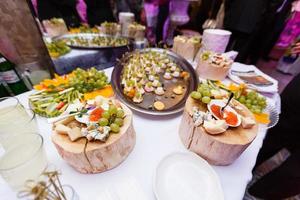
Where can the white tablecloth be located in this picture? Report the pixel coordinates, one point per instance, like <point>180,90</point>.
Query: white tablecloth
<point>156,137</point>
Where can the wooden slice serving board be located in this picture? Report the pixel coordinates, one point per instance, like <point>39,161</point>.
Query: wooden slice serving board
<point>98,156</point>
<point>222,149</point>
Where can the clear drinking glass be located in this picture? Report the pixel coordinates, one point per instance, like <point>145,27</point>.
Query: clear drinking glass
<point>70,192</point>
<point>25,160</point>
<point>14,120</point>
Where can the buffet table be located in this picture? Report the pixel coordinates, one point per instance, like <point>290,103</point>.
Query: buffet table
<point>132,179</point>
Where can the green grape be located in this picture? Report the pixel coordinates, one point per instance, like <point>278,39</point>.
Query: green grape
<point>257,110</point>
<point>119,121</point>
<point>205,86</point>
<point>114,128</point>
<point>248,101</point>
<point>253,107</point>
<point>261,102</point>
<point>206,93</point>
<point>196,95</point>
<point>206,99</point>
<point>200,89</point>
<point>252,98</point>
<point>92,80</point>
<point>120,113</point>
<point>106,114</point>
<point>260,98</point>
<point>102,83</point>
<point>113,109</point>
<point>99,82</point>
<point>251,93</point>
<point>255,102</point>
<point>79,77</point>
<point>242,99</point>
<point>94,70</point>
<point>103,122</point>
<point>89,79</point>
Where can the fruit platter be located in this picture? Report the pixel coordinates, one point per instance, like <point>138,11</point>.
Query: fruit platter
<point>225,116</point>
<point>93,41</point>
<point>55,97</point>
<point>154,81</point>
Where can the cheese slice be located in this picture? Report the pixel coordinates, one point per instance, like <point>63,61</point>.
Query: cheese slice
<point>248,122</point>
<point>215,126</point>
<point>62,129</point>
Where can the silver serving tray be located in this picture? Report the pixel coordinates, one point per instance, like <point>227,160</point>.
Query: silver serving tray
<point>91,36</point>
<point>184,64</point>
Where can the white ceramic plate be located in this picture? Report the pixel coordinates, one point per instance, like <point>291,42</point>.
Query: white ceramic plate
<point>186,176</point>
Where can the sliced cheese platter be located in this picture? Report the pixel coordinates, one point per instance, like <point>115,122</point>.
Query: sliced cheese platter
<point>216,125</point>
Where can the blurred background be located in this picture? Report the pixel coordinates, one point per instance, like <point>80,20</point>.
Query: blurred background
<point>262,31</point>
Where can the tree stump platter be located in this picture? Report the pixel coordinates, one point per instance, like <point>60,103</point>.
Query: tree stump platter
<point>222,149</point>
<point>95,157</point>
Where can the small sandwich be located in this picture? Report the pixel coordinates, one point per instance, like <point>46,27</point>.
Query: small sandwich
<point>178,43</point>
<point>187,47</point>
<point>136,31</point>
<point>110,28</point>
<point>191,48</point>
<point>55,27</point>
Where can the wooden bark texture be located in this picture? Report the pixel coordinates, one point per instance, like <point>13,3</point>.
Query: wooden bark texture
<point>222,149</point>
<point>98,156</point>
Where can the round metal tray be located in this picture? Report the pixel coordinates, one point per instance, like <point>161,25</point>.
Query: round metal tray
<point>184,64</point>
<point>90,36</point>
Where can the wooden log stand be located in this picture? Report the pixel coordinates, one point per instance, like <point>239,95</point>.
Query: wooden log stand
<point>222,149</point>
<point>96,157</point>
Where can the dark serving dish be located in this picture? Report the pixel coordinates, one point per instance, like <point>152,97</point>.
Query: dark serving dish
<point>91,36</point>
<point>144,106</point>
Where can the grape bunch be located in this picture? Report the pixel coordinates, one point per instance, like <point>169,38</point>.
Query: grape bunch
<point>88,80</point>
<point>113,117</point>
<point>57,48</point>
<point>253,101</point>
<point>203,93</point>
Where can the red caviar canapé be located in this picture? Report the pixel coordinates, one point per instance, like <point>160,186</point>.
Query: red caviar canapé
<point>230,117</point>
